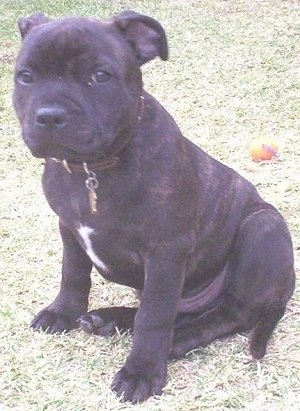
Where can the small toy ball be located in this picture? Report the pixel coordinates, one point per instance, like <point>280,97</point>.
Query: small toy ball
<point>263,148</point>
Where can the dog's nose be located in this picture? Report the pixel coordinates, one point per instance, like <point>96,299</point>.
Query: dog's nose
<point>51,117</point>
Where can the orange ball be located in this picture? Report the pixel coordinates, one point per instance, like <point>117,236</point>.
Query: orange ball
<point>263,148</point>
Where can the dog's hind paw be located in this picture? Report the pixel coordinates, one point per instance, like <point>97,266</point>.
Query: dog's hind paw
<point>53,322</point>
<point>95,324</point>
<point>107,321</point>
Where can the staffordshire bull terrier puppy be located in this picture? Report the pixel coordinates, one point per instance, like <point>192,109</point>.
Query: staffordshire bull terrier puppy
<point>141,203</point>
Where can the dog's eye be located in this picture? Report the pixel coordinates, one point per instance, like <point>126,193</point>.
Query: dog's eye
<point>25,77</point>
<point>100,76</point>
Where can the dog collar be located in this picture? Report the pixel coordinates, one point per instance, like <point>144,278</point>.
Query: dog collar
<point>91,181</point>
<point>77,167</point>
<point>90,168</point>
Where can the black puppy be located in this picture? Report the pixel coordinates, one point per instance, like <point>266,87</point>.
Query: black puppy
<point>142,204</point>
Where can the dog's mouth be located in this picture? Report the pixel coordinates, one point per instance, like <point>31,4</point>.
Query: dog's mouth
<point>65,154</point>
<point>88,148</point>
<point>68,155</point>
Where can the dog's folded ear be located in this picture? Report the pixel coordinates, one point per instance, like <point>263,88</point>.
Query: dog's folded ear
<point>144,34</point>
<point>26,23</point>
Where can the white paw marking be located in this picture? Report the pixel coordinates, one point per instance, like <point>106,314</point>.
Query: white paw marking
<point>85,233</point>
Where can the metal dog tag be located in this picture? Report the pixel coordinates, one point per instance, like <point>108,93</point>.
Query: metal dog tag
<point>91,184</point>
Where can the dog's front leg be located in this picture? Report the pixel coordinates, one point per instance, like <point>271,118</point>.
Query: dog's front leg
<point>144,371</point>
<point>72,299</point>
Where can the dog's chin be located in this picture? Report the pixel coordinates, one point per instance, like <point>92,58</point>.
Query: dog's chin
<point>71,157</point>
<point>46,153</point>
<point>60,155</point>
<point>63,153</point>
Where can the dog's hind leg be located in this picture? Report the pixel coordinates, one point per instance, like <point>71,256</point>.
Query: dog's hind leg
<point>260,281</point>
<point>264,257</point>
<point>263,331</point>
<point>200,329</point>
<point>192,330</point>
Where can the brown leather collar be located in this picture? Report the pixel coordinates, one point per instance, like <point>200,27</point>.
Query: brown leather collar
<point>77,167</point>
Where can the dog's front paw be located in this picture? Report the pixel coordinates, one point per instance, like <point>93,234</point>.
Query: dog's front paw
<point>96,324</point>
<point>137,387</point>
<point>53,322</point>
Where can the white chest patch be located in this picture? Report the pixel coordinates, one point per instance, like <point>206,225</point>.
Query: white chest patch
<point>86,233</point>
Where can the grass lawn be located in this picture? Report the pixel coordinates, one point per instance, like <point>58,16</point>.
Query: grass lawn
<point>233,75</point>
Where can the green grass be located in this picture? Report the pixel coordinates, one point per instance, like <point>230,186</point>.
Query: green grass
<point>233,75</point>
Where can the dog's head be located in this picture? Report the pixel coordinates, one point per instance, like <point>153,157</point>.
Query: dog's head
<point>78,82</point>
